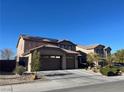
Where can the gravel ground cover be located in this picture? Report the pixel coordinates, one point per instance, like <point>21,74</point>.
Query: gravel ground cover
<point>13,79</point>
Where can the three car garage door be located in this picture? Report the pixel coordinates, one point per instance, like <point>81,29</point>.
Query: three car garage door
<point>51,62</point>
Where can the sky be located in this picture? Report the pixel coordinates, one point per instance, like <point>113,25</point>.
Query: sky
<point>83,22</point>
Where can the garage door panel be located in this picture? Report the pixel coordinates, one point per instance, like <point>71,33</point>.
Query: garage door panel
<point>70,62</point>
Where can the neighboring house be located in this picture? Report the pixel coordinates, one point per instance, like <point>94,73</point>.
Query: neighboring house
<point>55,54</point>
<point>99,49</point>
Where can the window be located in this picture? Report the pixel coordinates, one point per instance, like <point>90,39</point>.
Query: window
<point>58,57</point>
<point>66,47</point>
<point>62,46</point>
<point>52,56</point>
<point>70,47</point>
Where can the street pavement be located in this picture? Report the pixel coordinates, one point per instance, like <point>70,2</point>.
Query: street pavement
<point>55,80</point>
<point>117,86</point>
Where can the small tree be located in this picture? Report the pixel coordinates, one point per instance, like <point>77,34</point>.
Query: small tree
<point>6,54</point>
<point>110,59</point>
<point>119,55</point>
<point>89,58</point>
<point>96,58</point>
<point>93,58</point>
<point>35,65</point>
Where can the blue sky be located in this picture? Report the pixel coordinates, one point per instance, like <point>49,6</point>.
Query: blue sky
<point>84,22</point>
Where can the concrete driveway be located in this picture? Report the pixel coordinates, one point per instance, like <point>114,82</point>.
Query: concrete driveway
<point>86,75</point>
<point>62,79</point>
<point>68,74</point>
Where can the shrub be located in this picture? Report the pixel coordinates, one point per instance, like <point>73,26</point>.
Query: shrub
<point>118,72</point>
<point>35,64</point>
<point>122,69</point>
<point>108,69</point>
<point>110,73</point>
<point>20,70</point>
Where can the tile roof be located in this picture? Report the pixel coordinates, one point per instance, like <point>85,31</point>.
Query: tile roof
<point>90,46</point>
<point>52,46</point>
<point>108,48</point>
<point>37,38</point>
<point>69,51</point>
<point>40,39</point>
<point>59,41</point>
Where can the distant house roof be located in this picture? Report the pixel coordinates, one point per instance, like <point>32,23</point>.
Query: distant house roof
<point>90,47</point>
<point>108,48</point>
<point>69,51</point>
<point>51,46</point>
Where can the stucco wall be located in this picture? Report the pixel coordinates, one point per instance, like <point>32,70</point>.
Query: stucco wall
<point>20,48</point>
<point>51,51</point>
<point>84,50</point>
<point>32,44</point>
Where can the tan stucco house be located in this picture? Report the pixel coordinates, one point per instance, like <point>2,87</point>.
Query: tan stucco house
<point>54,54</point>
<point>98,49</point>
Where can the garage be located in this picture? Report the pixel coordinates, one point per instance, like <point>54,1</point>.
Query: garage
<point>70,62</point>
<point>51,62</point>
<point>54,58</point>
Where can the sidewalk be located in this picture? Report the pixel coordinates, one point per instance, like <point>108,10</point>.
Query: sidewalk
<point>79,78</point>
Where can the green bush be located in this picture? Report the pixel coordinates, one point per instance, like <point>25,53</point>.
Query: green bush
<point>35,64</point>
<point>20,70</point>
<point>122,69</point>
<point>105,70</point>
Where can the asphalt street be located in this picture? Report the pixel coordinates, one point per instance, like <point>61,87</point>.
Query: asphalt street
<point>105,87</point>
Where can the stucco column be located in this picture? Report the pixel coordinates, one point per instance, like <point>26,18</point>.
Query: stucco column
<point>106,54</point>
<point>64,62</point>
<point>29,62</point>
<point>76,62</point>
<point>17,59</point>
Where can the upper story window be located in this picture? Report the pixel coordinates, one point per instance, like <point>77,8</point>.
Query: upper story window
<point>99,51</point>
<point>62,46</point>
<point>69,47</point>
<point>66,47</point>
<point>108,51</point>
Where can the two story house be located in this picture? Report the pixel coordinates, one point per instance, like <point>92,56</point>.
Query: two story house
<point>99,49</point>
<point>54,54</point>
